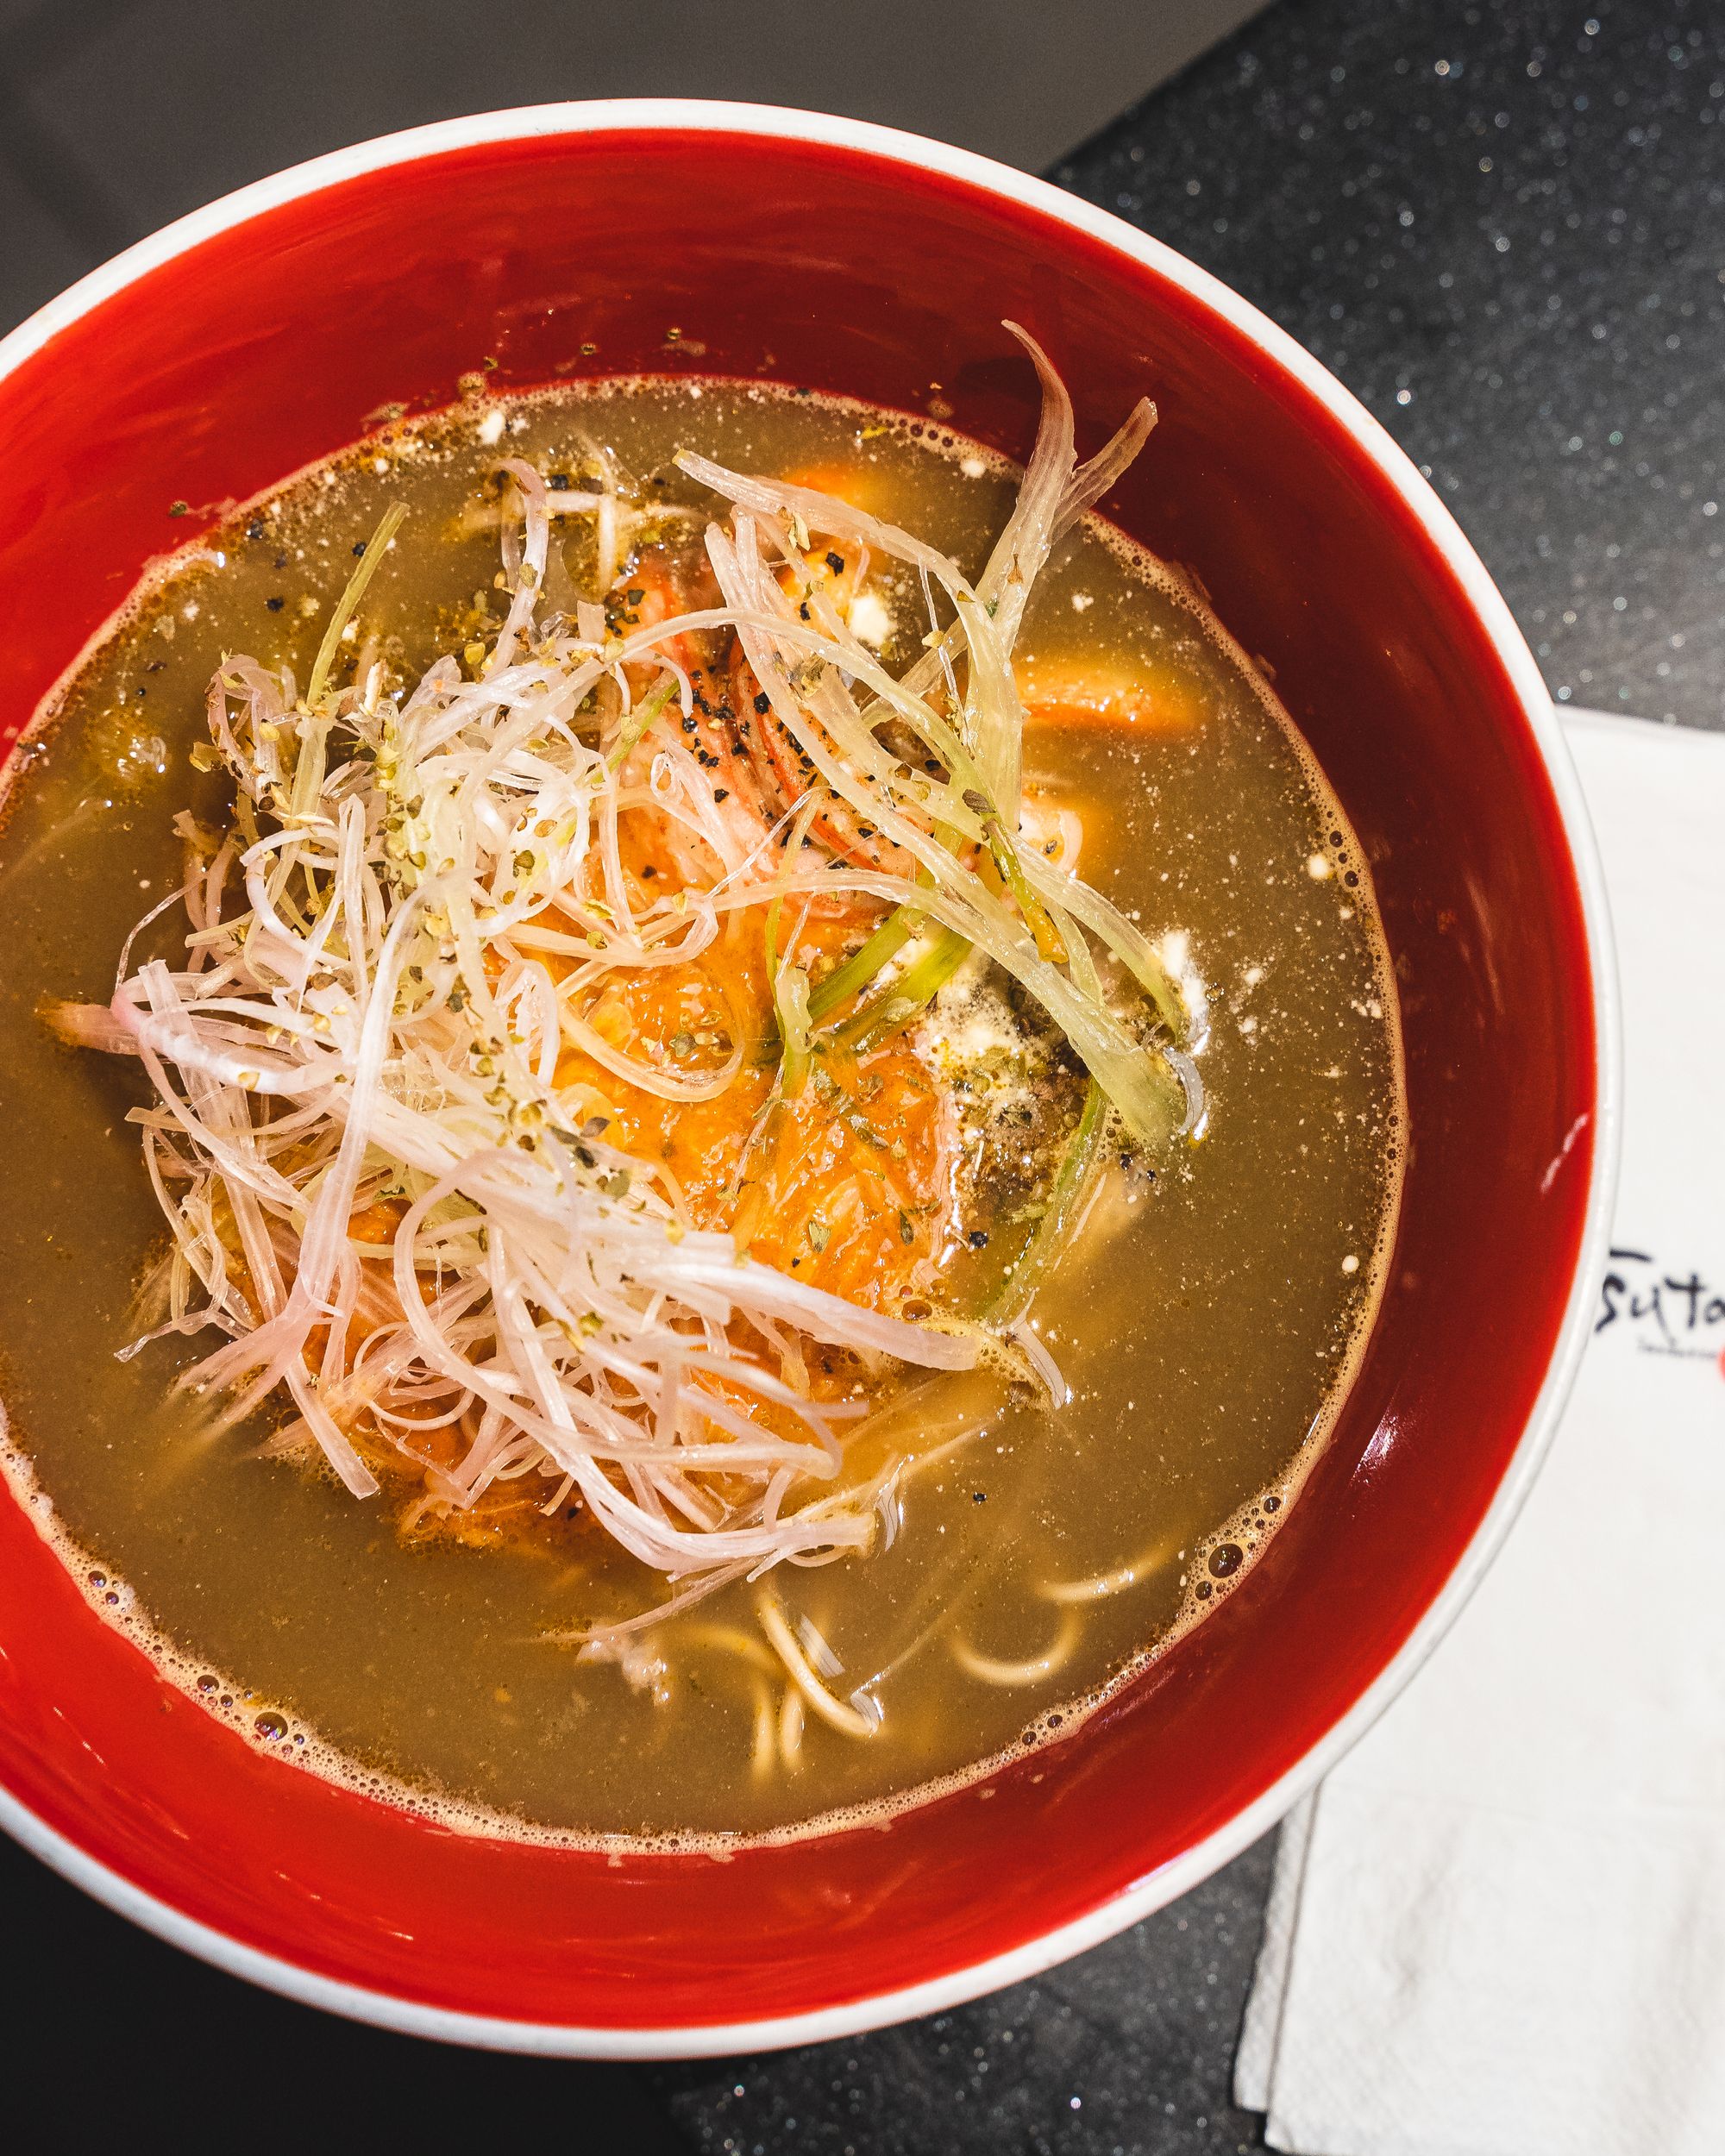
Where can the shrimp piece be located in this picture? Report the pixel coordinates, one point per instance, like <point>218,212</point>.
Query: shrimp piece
<point>656,589</point>
<point>861,1194</point>
<point>786,773</point>
<point>757,770</point>
<point>1093,694</point>
<point>862,486</point>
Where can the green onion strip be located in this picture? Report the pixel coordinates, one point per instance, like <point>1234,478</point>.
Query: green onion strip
<point>1067,1203</point>
<point>376,547</point>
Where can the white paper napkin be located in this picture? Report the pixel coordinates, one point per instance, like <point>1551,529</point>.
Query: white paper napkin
<point>1498,1927</point>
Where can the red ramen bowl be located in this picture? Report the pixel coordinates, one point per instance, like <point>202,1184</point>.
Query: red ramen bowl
<point>244,342</point>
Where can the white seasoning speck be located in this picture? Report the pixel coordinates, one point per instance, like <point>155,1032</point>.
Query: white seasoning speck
<point>1350,1263</point>
<point>1319,868</point>
<point>490,427</point>
<point>1081,602</point>
<point>870,623</point>
<point>972,467</point>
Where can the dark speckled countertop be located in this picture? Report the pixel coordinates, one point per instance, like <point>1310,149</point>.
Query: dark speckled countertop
<point>1504,228</point>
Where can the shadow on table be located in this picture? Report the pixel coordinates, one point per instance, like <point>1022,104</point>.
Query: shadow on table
<point>1125,2050</point>
<point>146,2036</point>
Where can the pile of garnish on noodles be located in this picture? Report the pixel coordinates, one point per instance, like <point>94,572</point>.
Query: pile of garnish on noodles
<point>545,1099</point>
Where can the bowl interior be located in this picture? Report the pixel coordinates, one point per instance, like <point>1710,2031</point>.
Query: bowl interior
<point>229,364</point>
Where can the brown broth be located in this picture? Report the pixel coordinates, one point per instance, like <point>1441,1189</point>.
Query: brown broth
<point>1207,1321</point>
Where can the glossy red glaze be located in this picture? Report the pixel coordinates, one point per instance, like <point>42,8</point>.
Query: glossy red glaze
<point>219,371</point>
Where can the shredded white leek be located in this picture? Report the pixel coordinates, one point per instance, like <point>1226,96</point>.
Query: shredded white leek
<point>410,921</point>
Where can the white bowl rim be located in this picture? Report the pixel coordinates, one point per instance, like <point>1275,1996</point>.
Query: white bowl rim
<point>881,2009</point>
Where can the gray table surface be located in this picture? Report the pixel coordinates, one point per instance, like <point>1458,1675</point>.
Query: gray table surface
<point>1503,227</point>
